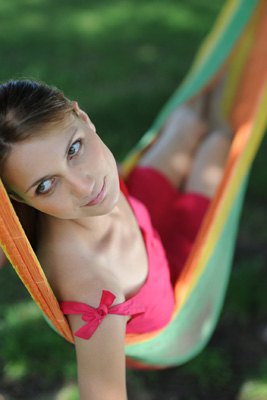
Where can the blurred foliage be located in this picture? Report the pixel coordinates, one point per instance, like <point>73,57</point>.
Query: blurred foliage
<point>69,392</point>
<point>29,349</point>
<point>121,60</point>
<point>246,299</point>
<point>253,391</point>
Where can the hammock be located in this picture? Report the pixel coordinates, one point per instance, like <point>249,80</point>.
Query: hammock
<point>236,44</point>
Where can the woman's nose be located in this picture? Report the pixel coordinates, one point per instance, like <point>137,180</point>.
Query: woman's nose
<point>81,186</point>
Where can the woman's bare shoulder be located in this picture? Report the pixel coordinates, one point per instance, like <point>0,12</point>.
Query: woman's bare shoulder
<point>77,272</point>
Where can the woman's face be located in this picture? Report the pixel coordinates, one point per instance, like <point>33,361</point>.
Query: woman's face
<point>68,172</point>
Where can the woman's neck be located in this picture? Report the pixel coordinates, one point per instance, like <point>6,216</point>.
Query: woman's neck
<point>95,227</point>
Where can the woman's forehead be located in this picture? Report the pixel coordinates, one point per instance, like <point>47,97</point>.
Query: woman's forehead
<point>38,156</point>
<point>46,130</point>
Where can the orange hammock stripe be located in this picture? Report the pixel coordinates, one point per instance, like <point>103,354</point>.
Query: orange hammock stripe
<point>248,117</point>
<point>19,252</point>
<point>251,118</point>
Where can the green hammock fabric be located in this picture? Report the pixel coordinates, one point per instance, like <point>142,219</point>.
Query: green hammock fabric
<point>195,318</point>
<point>236,44</point>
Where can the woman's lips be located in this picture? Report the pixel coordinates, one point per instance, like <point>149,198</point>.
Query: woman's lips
<point>98,198</point>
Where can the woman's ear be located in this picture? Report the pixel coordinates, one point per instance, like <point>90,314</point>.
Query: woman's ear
<point>15,197</point>
<point>81,114</point>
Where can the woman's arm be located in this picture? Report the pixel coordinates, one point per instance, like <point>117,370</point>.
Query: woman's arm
<point>101,361</point>
<point>101,358</point>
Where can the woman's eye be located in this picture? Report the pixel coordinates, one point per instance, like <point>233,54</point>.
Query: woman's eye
<point>74,149</point>
<point>44,187</point>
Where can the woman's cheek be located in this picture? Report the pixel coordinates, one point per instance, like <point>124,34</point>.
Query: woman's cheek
<point>56,207</point>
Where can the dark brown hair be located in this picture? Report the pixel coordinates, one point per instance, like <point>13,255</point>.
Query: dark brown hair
<point>26,108</point>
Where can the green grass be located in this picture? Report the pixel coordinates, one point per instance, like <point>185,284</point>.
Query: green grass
<point>121,60</point>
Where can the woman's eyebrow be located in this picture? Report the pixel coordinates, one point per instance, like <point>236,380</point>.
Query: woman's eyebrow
<point>44,178</point>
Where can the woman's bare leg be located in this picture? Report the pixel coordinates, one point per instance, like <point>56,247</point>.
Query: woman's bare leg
<point>173,152</point>
<point>209,163</point>
<point>208,167</point>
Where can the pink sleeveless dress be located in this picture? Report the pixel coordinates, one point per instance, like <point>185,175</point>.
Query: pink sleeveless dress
<point>151,308</point>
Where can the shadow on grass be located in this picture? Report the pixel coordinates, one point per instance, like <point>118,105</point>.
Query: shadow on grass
<point>233,365</point>
<point>121,60</point>
<point>32,355</point>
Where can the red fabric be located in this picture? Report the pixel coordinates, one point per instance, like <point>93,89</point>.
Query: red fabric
<point>177,218</point>
<point>157,293</point>
<point>94,316</point>
<point>175,215</point>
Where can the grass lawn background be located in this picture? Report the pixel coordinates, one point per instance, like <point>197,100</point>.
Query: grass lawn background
<point>121,60</point>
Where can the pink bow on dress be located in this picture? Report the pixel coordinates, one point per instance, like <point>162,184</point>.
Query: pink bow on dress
<point>94,316</point>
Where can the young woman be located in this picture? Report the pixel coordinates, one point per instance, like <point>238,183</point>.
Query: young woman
<point>97,242</point>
